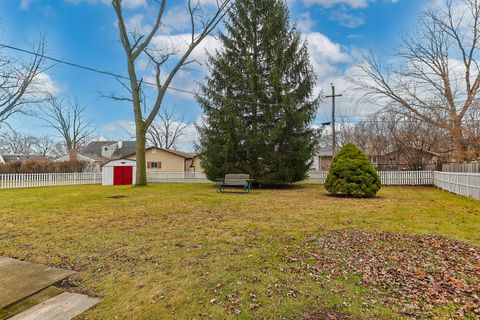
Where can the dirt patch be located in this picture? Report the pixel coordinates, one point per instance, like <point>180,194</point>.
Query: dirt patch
<point>117,197</point>
<point>326,314</point>
<point>418,273</point>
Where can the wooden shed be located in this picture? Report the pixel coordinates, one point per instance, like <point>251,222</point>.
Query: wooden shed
<point>119,172</point>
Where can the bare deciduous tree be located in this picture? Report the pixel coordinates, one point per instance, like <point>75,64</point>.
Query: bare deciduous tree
<point>139,45</point>
<point>166,130</point>
<point>15,142</point>
<point>19,82</point>
<point>413,140</point>
<point>45,146</point>
<point>438,78</point>
<point>68,118</point>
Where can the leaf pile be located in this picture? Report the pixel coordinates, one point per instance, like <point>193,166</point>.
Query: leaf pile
<point>418,273</point>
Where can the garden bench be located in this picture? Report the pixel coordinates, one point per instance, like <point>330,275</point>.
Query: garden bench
<point>235,180</point>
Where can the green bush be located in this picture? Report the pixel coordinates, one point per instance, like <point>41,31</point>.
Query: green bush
<point>352,174</point>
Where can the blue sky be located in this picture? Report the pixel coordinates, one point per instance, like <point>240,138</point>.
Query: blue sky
<point>84,32</point>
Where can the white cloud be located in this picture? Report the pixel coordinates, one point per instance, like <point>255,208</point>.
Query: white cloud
<point>325,54</point>
<point>176,18</point>
<point>127,4</point>
<point>179,43</point>
<point>356,4</point>
<point>25,4</point>
<point>346,19</point>
<point>44,83</point>
<point>330,3</point>
<point>305,23</point>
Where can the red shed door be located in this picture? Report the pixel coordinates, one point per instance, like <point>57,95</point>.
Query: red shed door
<point>127,175</point>
<point>122,175</point>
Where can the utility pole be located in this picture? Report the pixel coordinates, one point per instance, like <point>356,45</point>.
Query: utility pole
<point>334,137</point>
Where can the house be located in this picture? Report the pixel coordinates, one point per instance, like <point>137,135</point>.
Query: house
<point>406,158</point>
<point>97,153</point>
<point>94,162</point>
<point>109,149</point>
<point>167,160</point>
<point>322,160</point>
<point>389,159</point>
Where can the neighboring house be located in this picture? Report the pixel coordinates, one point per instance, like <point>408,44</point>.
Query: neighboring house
<point>109,149</point>
<point>391,159</point>
<point>94,162</point>
<point>406,159</point>
<point>6,158</point>
<point>97,153</point>
<point>322,160</point>
<point>167,160</point>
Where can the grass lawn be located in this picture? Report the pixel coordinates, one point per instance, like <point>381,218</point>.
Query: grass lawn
<point>185,251</point>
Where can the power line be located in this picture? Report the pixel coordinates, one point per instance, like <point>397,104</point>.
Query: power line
<point>119,76</point>
<point>76,65</point>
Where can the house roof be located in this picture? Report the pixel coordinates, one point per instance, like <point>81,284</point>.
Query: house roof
<point>91,157</point>
<point>182,154</point>
<point>128,160</point>
<point>94,148</point>
<point>324,153</point>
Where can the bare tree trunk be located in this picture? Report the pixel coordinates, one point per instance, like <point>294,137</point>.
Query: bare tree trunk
<point>460,149</point>
<point>141,175</point>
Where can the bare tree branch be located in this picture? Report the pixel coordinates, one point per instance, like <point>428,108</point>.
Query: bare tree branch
<point>438,78</point>
<point>68,118</point>
<point>19,87</point>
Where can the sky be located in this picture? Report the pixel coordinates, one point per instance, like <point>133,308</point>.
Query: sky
<point>84,32</point>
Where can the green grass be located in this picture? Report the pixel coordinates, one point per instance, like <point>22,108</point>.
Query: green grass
<point>185,251</point>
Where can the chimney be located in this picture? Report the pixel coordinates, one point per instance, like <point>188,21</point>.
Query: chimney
<point>120,144</point>
<point>72,153</point>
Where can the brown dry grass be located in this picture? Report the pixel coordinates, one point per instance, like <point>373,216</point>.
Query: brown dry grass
<point>185,251</point>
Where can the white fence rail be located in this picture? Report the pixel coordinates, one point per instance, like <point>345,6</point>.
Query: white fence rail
<point>177,177</point>
<point>28,180</point>
<point>388,178</point>
<point>465,184</point>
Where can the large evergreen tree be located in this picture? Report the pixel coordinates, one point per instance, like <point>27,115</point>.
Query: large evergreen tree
<point>257,99</point>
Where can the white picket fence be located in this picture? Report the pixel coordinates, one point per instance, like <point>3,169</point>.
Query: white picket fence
<point>466,184</point>
<point>29,180</point>
<point>177,177</point>
<point>388,178</point>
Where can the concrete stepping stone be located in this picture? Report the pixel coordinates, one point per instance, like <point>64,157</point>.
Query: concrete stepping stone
<point>29,302</point>
<point>21,279</point>
<point>65,306</point>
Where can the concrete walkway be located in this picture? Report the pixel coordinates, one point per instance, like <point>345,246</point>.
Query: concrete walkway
<point>27,292</point>
<point>65,306</point>
<point>20,279</point>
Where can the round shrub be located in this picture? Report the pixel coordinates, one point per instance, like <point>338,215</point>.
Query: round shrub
<point>352,174</point>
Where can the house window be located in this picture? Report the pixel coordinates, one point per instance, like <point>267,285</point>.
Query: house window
<point>154,165</point>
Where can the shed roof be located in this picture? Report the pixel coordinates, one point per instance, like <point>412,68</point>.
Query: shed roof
<point>118,160</point>
<point>94,148</point>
